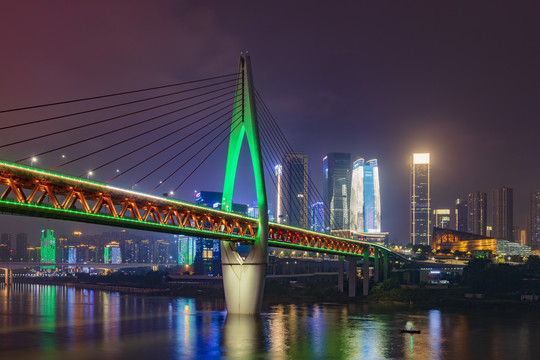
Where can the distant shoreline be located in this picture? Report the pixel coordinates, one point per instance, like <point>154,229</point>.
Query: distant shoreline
<point>285,292</point>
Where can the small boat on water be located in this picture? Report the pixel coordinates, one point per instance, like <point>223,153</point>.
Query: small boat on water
<point>409,331</point>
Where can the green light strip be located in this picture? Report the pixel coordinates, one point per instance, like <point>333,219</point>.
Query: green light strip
<point>203,233</point>
<point>314,233</point>
<point>311,249</point>
<point>108,189</point>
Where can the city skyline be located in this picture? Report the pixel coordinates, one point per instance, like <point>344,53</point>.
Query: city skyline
<point>428,90</point>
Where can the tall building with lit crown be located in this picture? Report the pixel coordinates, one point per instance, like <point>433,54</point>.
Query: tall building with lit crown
<point>535,220</point>
<point>337,190</point>
<point>503,213</point>
<point>420,199</point>
<point>477,213</point>
<point>293,190</point>
<point>365,197</point>
<point>441,218</point>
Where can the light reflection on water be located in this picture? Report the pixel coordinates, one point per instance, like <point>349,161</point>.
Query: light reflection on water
<point>50,322</point>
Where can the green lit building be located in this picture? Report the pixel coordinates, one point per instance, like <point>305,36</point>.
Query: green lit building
<point>48,248</point>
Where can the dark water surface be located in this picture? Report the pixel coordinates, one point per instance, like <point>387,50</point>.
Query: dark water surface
<point>55,322</point>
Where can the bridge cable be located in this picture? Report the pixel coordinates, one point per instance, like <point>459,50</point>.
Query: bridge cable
<point>120,116</point>
<point>206,158</point>
<point>135,136</point>
<point>164,149</point>
<point>109,95</point>
<point>284,143</point>
<point>271,155</point>
<point>295,176</point>
<point>163,137</point>
<point>197,153</point>
<point>268,159</point>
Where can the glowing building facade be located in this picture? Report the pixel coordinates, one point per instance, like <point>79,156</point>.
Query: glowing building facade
<point>420,199</point>
<point>337,190</point>
<point>48,248</point>
<point>365,197</point>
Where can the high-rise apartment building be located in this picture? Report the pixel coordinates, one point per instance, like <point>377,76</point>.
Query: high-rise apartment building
<point>420,199</point>
<point>317,216</point>
<point>477,209</point>
<point>292,197</point>
<point>365,197</point>
<point>337,190</point>
<point>461,215</point>
<point>5,247</point>
<point>503,213</point>
<point>534,227</point>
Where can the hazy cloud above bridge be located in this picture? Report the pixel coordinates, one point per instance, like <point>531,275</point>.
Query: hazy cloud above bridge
<point>377,79</point>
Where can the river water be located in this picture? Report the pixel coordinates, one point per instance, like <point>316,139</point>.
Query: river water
<point>56,322</point>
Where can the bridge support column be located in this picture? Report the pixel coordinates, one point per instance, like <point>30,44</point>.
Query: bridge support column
<point>351,275</point>
<point>365,272</point>
<point>340,274</point>
<point>243,280</point>
<point>376,266</point>
<point>385,265</point>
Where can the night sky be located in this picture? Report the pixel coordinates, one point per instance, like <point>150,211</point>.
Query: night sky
<point>382,79</point>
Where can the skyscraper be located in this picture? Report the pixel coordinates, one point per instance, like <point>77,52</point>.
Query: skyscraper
<point>337,190</point>
<point>503,213</point>
<point>477,209</point>
<point>372,196</point>
<point>420,199</point>
<point>461,215</point>
<point>535,220</point>
<point>21,244</point>
<point>293,190</point>
<point>365,197</point>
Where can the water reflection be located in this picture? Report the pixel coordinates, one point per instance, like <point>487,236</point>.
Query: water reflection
<point>63,323</point>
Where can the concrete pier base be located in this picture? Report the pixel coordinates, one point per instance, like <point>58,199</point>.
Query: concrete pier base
<point>340,274</point>
<point>351,275</point>
<point>243,280</point>
<point>365,272</point>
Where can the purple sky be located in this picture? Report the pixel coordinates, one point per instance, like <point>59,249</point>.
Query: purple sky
<point>377,79</point>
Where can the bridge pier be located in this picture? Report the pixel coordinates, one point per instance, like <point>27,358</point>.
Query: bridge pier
<point>376,266</point>
<point>340,274</point>
<point>385,265</point>
<point>365,272</point>
<point>243,280</point>
<point>351,275</point>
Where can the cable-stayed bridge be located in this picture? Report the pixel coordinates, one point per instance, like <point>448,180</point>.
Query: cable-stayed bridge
<point>154,144</point>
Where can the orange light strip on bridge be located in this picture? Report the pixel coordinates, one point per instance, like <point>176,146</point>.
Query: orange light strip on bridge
<point>109,205</point>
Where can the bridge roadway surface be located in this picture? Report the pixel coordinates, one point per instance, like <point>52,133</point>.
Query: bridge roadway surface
<point>35,192</point>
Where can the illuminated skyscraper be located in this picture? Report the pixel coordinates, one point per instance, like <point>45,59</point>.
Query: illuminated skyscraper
<point>48,248</point>
<point>317,216</point>
<point>293,194</point>
<point>357,197</point>
<point>365,197</point>
<point>503,213</point>
<point>420,199</point>
<point>477,209</point>
<point>337,190</point>
<point>372,197</point>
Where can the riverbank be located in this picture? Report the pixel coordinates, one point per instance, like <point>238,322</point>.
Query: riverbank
<point>313,290</point>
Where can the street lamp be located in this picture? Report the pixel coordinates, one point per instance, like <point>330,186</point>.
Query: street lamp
<point>33,160</point>
<point>90,173</point>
